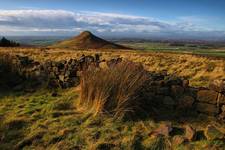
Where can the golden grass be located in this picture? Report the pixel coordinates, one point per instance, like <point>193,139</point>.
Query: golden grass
<point>198,69</point>
<point>113,91</point>
<point>26,122</point>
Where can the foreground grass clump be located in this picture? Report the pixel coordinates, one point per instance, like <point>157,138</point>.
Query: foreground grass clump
<point>114,91</point>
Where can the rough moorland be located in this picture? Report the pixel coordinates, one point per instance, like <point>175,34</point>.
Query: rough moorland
<point>176,114</point>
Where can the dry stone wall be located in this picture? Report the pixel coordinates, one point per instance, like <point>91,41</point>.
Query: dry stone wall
<point>175,94</point>
<point>162,90</point>
<point>62,74</point>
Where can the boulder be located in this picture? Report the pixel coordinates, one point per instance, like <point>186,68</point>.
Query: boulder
<point>89,59</point>
<point>207,108</point>
<point>67,73</point>
<point>157,77</point>
<point>75,81</point>
<point>65,85</point>
<point>97,57</point>
<point>55,69</point>
<point>223,108</point>
<point>192,92</point>
<point>207,96</point>
<point>222,116</point>
<point>163,91</point>
<point>217,85</point>
<point>37,73</point>
<point>156,83</point>
<point>186,101</point>
<point>221,98</point>
<point>168,101</point>
<point>174,81</point>
<point>19,87</point>
<point>74,62</point>
<point>113,62</point>
<point>185,83</point>
<point>177,90</point>
<point>60,65</point>
<point>212,133</point>
<point>103,65</point>
<point>61,77</point>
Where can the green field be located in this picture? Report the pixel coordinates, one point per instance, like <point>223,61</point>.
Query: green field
<point>198,49</point>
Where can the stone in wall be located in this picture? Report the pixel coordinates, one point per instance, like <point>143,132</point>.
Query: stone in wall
<point>217,85</point>
<point>207,96</point>
<point>177,90</point>
<point>205,108</point>
<point>186,102</point>
<point>221,98</point>
<point>222,114</point>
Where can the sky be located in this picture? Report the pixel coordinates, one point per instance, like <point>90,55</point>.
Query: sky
<point>124,18</point>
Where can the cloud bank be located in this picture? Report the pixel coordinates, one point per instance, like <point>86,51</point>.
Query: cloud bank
<point>62,22</point>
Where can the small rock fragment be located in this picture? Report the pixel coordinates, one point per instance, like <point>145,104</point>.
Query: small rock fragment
<point>178,140</point>
<point>163,129</point>
<point>190,133</point>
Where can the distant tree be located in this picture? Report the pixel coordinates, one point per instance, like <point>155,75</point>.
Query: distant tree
<point>7,43</point>
<point>177,44</point>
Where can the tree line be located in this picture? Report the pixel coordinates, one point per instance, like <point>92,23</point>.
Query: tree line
<point>7,43</point>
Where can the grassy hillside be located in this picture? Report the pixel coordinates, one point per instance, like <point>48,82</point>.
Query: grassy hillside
<point>60,119</point>
<point>40,121</point>
<point>198,69</point>
<point>86,40</point>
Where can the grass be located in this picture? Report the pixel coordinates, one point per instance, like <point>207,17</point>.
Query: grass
<point>40,121</point>
<point>196,68</point>
<point>199,49</point>
<point>114,91</point>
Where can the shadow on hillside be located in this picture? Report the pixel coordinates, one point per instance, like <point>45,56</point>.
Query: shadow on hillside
<point>13,84</point>
<point>178,116</point>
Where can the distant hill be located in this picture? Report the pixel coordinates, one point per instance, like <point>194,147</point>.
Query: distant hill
<point>7,43</point>
<point>86,40</point>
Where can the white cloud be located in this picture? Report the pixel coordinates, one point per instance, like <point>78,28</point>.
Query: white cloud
<point>68,22</point>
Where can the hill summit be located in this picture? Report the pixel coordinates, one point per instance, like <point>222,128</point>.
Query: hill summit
<point>87,40</point>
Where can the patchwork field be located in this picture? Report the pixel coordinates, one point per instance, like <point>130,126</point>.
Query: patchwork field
<point>201,48</point>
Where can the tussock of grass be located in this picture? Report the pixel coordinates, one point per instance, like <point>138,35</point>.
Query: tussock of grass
<point>158,143</point>
<point>113,91</point>
<point>62,106</point>
<point>15,123</point>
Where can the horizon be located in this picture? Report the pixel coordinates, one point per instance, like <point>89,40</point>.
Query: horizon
<point>201,20</point>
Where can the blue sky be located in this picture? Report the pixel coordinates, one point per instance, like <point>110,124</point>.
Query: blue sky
<point>113,17</point>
